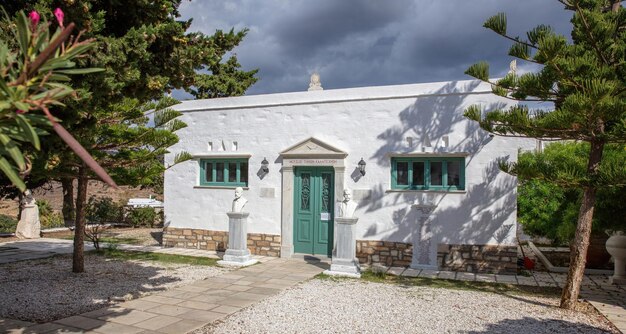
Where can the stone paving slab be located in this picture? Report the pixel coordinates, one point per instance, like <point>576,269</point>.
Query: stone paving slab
<point>447,275</point>
<point>490,278</point>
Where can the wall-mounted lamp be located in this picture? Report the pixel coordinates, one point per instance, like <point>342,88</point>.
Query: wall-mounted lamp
<point>362,167</point>
<point>265,166</point>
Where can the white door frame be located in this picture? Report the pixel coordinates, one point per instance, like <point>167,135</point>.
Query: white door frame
<point>310,152</point>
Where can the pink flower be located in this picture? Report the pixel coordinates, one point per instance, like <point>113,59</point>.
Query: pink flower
<point>58,13</point>
<point>20,111</point>
<point>34,18</point>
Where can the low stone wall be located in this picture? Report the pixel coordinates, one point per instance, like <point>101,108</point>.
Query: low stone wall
<point>478,258</point>
<point>468,258</point>
<point>264,244</point>
<point>465,258</point>
<point>388,253</point>
<point>259,244</point>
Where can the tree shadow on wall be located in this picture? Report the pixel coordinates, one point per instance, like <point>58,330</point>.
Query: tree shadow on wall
<point>481,212</point>
<point>479,215</point>
<point>435,116</point>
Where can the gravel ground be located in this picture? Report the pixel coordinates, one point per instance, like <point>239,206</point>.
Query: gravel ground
<point>325,306</point>
<point>46,290</point>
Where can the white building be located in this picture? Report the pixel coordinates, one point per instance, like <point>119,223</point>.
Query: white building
<point>431,177</point>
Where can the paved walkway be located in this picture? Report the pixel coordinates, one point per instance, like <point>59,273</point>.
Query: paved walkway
<point>185,308</point>
<point>22,250</point>
<point>192,306</point>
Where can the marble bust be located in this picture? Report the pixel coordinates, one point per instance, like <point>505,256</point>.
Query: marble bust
<point>29,226</point>
<point>239,202</point>
<point>315,83</point>
<point>347,206</point>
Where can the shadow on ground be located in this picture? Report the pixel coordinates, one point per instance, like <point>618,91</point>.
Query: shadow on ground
<point>317,262</point>
<point>46,290</point>
<point>532,325</point>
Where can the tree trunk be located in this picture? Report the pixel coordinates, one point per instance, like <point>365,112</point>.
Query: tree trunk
<point>578,249</point>
<point>78,263</point>
<point>20,205</point>
<point>68,201</point>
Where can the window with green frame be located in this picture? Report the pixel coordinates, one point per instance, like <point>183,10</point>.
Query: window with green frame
<point>224,172</point>
<point>428,173</point>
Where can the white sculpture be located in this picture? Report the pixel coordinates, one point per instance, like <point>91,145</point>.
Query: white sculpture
<point>237,254</point>
<point>239,202</point>
<point>513,67</point>
<point>347,206</point>
<point>344,261</point>
<point>29,226</point>
<point>315,83</point>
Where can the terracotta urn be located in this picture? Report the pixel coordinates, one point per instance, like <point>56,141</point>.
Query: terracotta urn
<point>616,246</point>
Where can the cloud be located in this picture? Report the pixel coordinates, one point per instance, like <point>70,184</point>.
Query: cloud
<point>354,43</point>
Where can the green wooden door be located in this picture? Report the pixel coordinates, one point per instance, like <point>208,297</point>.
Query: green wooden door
<point>313,210</point>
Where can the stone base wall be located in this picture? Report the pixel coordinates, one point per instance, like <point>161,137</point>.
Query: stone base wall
<point>478,258</point>
<point>258,244</point>
<point>465,258</point>
<point>388,253</point>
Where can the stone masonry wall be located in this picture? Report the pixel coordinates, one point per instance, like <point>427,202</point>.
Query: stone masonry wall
<point>478,258</point>
<point>466,258</point>
<point>388,253</point>
<point>259,244</point>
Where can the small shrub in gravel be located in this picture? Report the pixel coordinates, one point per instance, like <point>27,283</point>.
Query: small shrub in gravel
<point>101,212</point>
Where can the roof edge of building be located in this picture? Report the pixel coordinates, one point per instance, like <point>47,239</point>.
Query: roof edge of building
<point>461,87</point>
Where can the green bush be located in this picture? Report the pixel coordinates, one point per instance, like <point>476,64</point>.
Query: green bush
<point>47,216</point>
<point>53,220</point>
<point>551,211</point>
<point>7,224</point>
<point>104,211</point>
<point>45,209</point>
<point>145,216</point>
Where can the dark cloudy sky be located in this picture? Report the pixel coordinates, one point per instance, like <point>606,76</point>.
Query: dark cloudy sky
<point>354,43</point>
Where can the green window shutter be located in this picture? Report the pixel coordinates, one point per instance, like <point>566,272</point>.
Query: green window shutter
<point>428,173</point>
<point>243,172</point>
<point>224,172</point>
<point>418,175</point>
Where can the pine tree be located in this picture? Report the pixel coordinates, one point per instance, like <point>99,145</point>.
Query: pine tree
<point>585,79</point>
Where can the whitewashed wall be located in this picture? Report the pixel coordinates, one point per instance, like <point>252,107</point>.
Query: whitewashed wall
<point>369,122</point>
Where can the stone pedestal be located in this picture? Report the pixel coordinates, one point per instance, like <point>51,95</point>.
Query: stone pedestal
<point>29,226</point>
<point>424,254</point>
<point>345,263</point>
<point>237,254</point>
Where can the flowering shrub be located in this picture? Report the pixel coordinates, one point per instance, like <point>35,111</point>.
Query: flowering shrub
<point>34,76</point>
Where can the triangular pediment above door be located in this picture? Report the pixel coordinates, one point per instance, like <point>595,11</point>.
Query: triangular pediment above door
<point>313,147</point>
